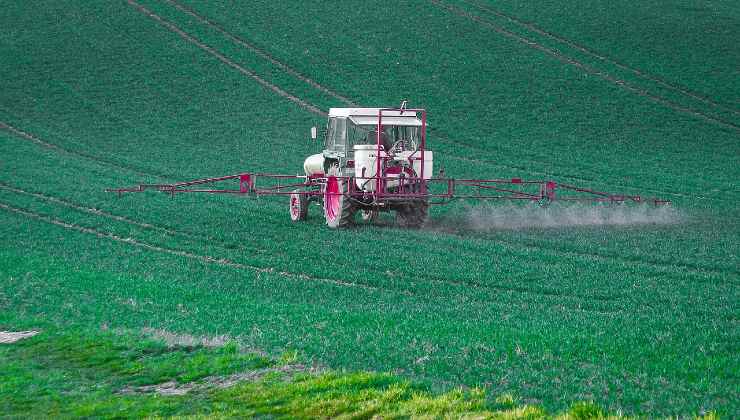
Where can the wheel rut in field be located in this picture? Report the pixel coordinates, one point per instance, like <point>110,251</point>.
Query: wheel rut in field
<point>249,73</point>
<point>180,253</point>
<point>59,149</point>
<point>267,56</point>
<point>124,219</point>
<point>38,141</point>
<point>466,284</point>
<point>262,53</point>
<point>623,84</point>
<point>600,56</point>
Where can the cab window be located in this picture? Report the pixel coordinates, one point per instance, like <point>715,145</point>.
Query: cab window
<point>336,134</point>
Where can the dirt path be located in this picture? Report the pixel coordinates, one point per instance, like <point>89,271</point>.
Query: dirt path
<point>10,337</point>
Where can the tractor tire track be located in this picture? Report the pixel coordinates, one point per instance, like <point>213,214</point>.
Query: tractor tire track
<point>468,286</point>
<point>180,253</point>
<point>229,263</point>
<point>138,171</point>
<point>206,259</point>
<point>249,73</point>
<point>459,283</point>
<point>333,93</point>
<point>59,149</point>
<point>262,53</point>
<point>661,265</point>
<point>623,84</point>
<point>593,53</point>
<point>602,257</point>
<point>226,245</point>
<point>124,219</point>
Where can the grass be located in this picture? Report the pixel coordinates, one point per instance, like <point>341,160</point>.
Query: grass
<point>639,319</point>
<point>85,373</point>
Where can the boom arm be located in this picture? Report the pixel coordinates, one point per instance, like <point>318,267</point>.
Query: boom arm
<point>443,189</point>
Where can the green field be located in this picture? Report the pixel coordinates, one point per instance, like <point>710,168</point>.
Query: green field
<point>633,97</point>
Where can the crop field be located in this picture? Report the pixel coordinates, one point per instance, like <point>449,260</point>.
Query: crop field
<point>634,309</point>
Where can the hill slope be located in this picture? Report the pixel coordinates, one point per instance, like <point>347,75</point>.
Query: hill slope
<point>638,318</point>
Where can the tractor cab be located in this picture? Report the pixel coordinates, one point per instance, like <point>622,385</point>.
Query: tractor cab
<point>400,131</point>
<point>374,160</point>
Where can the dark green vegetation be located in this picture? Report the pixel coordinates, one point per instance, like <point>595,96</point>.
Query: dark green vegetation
<point>642,319</point>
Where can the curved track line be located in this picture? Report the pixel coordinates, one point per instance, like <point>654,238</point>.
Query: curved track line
<point>172,27</point>
<point>157,228</point>
<point>228,245</point>
<point>203,258</point>
<point>586,68</point>
<point>464,284</point>
<point>20,133</point>
<point>691,268</point>
<point>140,172</point>
<point>329,91</point>
<point>601,57</point>
<point>98,212</point>
<point>262,53</point>
<point>225,262</point>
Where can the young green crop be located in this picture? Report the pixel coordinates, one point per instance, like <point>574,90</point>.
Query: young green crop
<point>636,318</point>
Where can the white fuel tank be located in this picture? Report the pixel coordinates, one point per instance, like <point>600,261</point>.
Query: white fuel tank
<point>416,159</point>
<point>366,158</point>
<point>314,165</point>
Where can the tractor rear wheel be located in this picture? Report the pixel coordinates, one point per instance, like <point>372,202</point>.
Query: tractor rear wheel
<point>413,215</point>
<point>298,206</point>
<point>338,208</point>
<point>415,212</point>
<point>368,216</point>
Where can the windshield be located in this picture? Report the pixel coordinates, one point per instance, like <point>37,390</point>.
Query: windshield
<point>402,137</point>
<point>342,135</point>
<point>336,134</point>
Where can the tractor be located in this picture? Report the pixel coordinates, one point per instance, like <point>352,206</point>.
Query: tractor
<point>375,160</point>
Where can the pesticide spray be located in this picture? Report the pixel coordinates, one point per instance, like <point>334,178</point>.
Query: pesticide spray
<point>490,217</point>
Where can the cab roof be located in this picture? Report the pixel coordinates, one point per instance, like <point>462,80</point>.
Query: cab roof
<point>367,116</point>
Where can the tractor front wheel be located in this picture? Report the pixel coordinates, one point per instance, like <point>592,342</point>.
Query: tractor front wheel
<point>338,208</point>
<point>298,206</point>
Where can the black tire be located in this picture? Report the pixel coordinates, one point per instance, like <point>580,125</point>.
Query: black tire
<point>413,215</point>
<point>369,216</point>
<point>339,210</point>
